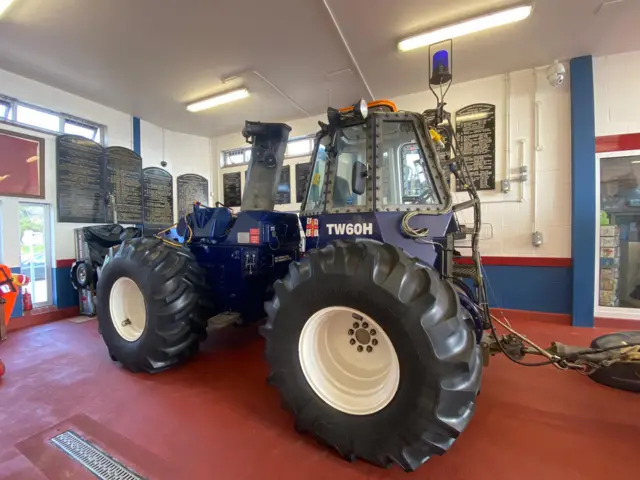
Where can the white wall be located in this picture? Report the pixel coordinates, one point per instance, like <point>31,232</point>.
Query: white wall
<point>617,97</point>
<point>508,223</point>
<point>184,154</point>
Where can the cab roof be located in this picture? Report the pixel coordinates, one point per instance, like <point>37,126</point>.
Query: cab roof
<point>376,106</point>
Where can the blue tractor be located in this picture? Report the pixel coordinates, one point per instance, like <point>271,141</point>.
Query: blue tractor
<point>374,334</point>
<point>367,341</point>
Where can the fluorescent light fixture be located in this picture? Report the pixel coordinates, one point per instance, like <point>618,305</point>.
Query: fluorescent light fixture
<point>216,100</point>
<point>474,25</point>
<point>4,4</point>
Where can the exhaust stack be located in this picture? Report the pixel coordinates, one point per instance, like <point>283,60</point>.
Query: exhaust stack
<point>269,142</point>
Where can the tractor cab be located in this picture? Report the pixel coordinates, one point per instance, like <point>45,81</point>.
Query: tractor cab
<point>372,165</point>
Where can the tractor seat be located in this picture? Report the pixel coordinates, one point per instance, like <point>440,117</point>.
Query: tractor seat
<point>211,222</point>
<point>342,192</point>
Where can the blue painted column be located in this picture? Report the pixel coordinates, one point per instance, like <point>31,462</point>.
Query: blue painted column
<point>17,309</point>
<point>583,193</point>
<point>136,136</point>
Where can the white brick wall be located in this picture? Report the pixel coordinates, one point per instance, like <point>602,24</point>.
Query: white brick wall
<point>508,223</point>
<point>184,154</point>
<point>617,98</point>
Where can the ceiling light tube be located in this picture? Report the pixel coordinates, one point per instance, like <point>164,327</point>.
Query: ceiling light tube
<point>216,100</point>
<point>467,27</point>
<point>4,4</point>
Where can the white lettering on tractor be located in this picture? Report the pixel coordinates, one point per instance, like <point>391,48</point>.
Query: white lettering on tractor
<point>350,228</point>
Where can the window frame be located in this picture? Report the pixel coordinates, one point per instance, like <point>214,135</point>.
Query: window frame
<point>335,165</point>
<point>428,176</point>
<point>9,108</point>
<point>227,154</point>
<point>323,190</point>
<point>67,120</point>
<point>308,138</point>
<point>246,151</point>
<point>63,118</point>
<point>431,163</point>
<point>626,313</point>
<point>48,250</point>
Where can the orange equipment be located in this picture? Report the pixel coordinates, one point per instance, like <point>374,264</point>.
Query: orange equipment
<point>9,289</point>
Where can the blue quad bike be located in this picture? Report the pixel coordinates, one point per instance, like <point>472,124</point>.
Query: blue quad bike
<point>375,336</point>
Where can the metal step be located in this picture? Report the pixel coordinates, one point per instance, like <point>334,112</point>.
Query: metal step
<point>92,458</point>
<point>223,319</point>
<point>466,271</point>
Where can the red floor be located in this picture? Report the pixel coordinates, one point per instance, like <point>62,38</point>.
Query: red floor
<point>217,419</point>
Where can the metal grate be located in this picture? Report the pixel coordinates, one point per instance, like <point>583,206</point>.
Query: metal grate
<point>92,458</point>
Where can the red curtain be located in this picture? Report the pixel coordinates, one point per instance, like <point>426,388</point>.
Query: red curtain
<point>19,166</point>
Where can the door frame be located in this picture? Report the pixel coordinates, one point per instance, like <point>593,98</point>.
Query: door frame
<point>48,256</point>
<point>602,311</point>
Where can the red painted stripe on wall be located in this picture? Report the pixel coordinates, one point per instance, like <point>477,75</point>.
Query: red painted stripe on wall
<point>65,262</point>
<point>618,143</point>
<point>519,261</point>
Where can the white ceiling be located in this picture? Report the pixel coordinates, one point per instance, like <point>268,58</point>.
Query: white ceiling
<point>151,57</point>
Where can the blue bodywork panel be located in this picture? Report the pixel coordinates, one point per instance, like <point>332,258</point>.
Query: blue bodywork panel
<point>242,255</point>
<point>381,226</point>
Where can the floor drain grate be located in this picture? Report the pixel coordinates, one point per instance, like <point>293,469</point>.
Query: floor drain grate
<point>92,458</point>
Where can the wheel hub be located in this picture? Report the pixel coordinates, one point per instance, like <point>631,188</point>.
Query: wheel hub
<point>336,369</point>
<point>128,309</point>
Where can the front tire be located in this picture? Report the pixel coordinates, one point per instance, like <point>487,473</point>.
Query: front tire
<point>426,391</point>
<point>149,308</point>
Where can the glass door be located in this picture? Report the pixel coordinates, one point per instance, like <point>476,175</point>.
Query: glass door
<point>618,240</point>
<point>35,257</point>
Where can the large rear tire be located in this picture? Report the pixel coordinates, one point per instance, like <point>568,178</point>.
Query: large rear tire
<point>425,392</point>
<point>149,308</point>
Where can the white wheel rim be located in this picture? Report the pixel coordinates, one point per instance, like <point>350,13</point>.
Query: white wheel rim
<point>349,361</point>
<point>127,308</point>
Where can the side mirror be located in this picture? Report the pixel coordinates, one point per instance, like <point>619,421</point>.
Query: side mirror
<point>359,178</point>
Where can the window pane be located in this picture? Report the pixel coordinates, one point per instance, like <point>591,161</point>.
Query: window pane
<point>405,177</point>
<point>33,257</point>
<point>37,118</point>
<point>236,159</point>
<point>74,128</point>
<point>619,232</point>
<point>316,188</point>
<point>5,109</point>
<point>297,148</point>
<point>352,147</point>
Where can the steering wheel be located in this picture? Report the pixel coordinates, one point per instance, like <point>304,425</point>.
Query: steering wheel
<point>421,200</point>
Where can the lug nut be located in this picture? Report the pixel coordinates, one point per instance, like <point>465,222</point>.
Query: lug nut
<point>369,349</point>
<point>372,332</point>
<point>350,331</point>
<point>356,325</point>
<point>365,325</point>
<point>360,348</point>
<point>352,341</point>
<point>126,323</point>
<point>374,342</point>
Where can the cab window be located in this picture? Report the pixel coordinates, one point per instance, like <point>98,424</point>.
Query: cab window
<point>315,196</point>
<point>405,177</point>
<point>351,147</point>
